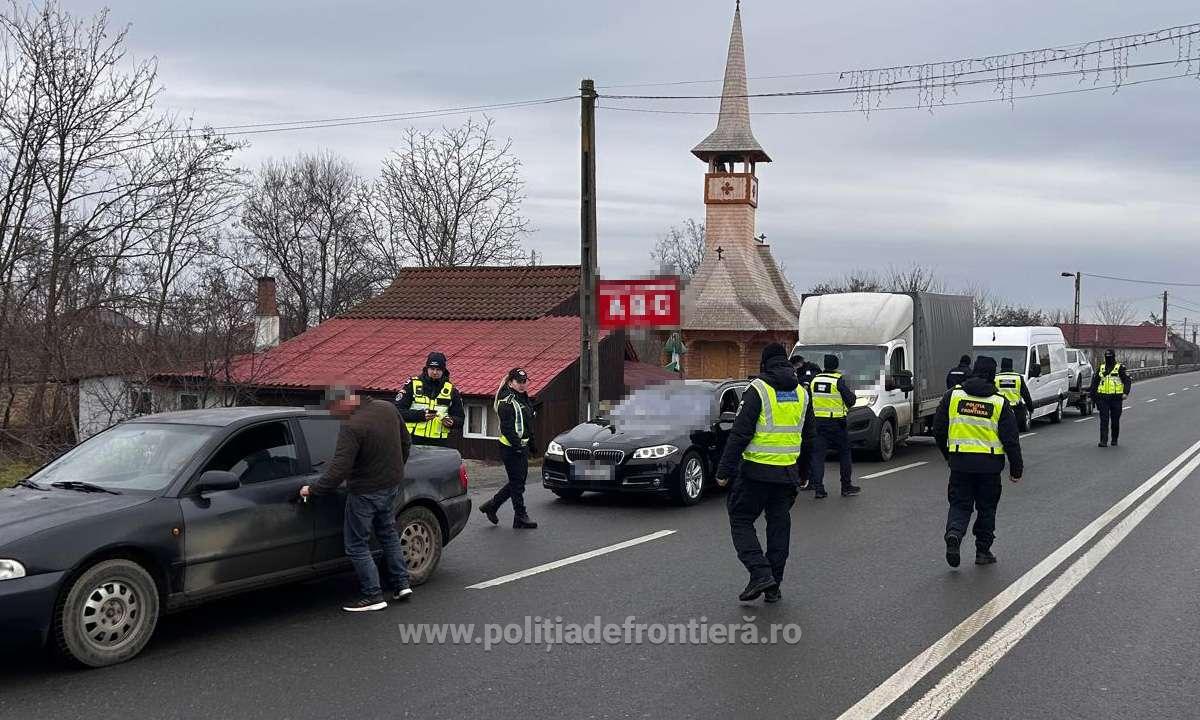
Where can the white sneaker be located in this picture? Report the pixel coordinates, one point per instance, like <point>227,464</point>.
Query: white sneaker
<point>404,594</point>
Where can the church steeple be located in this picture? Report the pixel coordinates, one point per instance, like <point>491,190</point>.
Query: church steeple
<point>733,139</point>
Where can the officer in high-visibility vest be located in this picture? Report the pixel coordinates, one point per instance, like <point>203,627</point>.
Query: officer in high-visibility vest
<point>1110,387</point>
<point>832,399</point>
<point>769,440</point>
<point>429,403</point>
<point>805,372</point>
<point>1015,390</point>
<point>975,430</point>
<point>960,372</point>
<point>516,414</point>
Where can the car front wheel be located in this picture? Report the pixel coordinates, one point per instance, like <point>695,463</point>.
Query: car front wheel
<point>690,487</point>
<point>108,614</point>
<point>421,542</point>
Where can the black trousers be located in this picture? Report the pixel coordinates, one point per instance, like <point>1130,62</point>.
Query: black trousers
<point>516,464</point>
<point>435,442</point>
<point>973,491</point>
<point>747,500</point>
<point>1110,407</point>
<point>831,435</point>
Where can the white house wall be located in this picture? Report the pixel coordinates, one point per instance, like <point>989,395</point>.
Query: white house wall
<point>105,401</point>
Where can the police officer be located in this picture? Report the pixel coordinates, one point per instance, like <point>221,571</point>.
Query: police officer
<point>959,373</point>
<point>1012,386</point>
<point>976,429</point>
<point>516,436</point>
<point>1110,387</point>
<point>429,403</point>
<point>832,399</point>
<point>805,372</point>
<point>769,439</point>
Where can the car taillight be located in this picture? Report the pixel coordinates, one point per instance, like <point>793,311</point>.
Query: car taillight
<point>462,476</point>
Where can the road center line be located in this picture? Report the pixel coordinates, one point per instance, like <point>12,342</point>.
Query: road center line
<point>910,466</point>
<point>1085,419</point>
<point>938,702</point>
<point>570,560</point>
<point>1152,400</point>
<point>908,676</point>
<point>1028,434</point>
<point>1172,394</point>
<point>1127,407</point>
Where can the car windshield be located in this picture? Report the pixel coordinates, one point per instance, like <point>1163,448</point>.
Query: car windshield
<point>860,365</point>
<point>1018,354</point>
<point>671,408</point>
<point>133,456</point>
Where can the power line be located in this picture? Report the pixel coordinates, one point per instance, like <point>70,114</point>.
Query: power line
<point>1143,282</point>
<point>903,107</point>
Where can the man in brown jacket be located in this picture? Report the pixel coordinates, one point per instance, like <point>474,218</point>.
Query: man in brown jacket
<point>372,447</point>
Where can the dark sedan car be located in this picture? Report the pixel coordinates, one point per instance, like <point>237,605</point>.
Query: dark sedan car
<point>170,510</point>
<point>664,439</point>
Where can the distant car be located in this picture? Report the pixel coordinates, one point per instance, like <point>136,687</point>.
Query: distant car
<point>170,510</point>
<point>665,440</point>
<point>1081,372</point>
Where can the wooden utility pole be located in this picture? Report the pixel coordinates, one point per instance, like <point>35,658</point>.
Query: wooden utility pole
<point>1075,340</point>
<point>589,335</point>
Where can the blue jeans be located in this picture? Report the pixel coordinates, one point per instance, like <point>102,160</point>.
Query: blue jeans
<point>364,512</point>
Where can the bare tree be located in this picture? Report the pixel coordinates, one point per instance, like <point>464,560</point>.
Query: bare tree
<point>680,247</point>
<point>304,219</point>
<point>450,199</point>
<point>854,281</point>
<point>1113,313</point>
<point>914,278</point>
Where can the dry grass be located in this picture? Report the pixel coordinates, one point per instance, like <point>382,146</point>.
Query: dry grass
<point>11,471</point>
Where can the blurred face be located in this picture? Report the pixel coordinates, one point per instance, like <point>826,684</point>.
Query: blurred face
<point>343,408</point>
<point>434,373</point>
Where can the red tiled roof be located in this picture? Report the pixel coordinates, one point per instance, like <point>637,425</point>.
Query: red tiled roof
<point>381,355</point>
<point>639,375</point>
<point>476,293</point>
<point>1116,336</point>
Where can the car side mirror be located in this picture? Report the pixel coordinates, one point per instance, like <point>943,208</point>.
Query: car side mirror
<point>215,480</point>
<point>902,381</point>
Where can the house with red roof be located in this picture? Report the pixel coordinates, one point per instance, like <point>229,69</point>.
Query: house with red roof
<point>485,319</point>
<point>1136,346</point>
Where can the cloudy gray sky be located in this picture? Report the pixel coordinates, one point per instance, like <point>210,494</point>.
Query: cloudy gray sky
<point>1007,196</point>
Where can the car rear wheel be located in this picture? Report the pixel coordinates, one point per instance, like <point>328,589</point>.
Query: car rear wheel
<point>421,542</point>
<point>108,615</point>
<point>567,493</point>
<point>1057,416</point>
<point>692,477</point>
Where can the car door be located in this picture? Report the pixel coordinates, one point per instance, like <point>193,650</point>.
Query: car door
<point>1035,383</point>
<point>896,398</point>
<point>260,529</point>
<point>328,510</point>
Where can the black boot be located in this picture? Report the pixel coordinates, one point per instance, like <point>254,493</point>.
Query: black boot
<point>756,587</point>
<point>489,511</point>
<point>952,555</point>
<point>521,521</point>
<point>984,556</point>
<point>850,490</point>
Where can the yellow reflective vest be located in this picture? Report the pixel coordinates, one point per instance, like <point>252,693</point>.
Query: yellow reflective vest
<point>975,423</point>
<point>420,401</point>
<point>827,401</point>
<point>1009,385</point>
<point>1110,382</point>
<point>778,434</point>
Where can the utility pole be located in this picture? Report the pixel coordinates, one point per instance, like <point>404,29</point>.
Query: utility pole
<point>1166,332</point>
<point>589,335</point>
<point>1075,340</point>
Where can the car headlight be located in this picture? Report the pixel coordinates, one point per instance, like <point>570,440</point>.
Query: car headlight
<point>656,451</point>
<point>554,449</point>
<point>11,570</point>
<point>865,400</point>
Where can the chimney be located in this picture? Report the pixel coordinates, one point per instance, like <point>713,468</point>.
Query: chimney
<point>266,322</point>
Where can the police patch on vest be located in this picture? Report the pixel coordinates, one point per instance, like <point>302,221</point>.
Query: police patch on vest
<point>786,396</point>
<point>1008,383</point>
<point>974,408</point>
<point>823,386</point>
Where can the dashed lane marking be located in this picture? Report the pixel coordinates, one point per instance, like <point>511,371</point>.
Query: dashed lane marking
<point>910,466</point>
<point>1028,434</point>
<point>570,560</point>
<point>1085,419</point>
<point>1151,400</point>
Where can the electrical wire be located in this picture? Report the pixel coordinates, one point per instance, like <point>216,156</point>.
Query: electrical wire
<point>1143,282</point>
<point>902,107</point>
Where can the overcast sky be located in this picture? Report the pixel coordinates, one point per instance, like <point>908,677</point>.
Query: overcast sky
<point>1008,196</point>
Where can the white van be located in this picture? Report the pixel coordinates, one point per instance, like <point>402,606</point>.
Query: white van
<point>1038,353</point>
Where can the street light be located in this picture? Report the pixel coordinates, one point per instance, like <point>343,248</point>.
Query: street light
<point>1075,331</point>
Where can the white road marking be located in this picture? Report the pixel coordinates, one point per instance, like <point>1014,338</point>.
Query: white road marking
<point>908,676</point>
<point>570,560</point>
<point>894,470</point>
<point>1151,400</point>
<point>1028,434</point>
<point>1172,394</point>
<point>936,703</point>
<point>1127,407</point>
<point>1086,418</point>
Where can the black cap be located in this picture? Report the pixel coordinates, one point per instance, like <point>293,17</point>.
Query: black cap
<point>1111,354</point>
<point>774,350</point>
<point>964,360</point>
<point>832,362</point>
<point>517,374</point>
<point>985,367</point>
<point>436,360</point>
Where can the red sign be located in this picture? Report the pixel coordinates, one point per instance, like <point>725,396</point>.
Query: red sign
<point>638,303</point>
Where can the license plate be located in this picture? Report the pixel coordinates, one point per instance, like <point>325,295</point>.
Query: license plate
<point>594,473</point>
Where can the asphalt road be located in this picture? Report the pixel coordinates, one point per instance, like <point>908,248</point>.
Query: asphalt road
<point>1080,618</point>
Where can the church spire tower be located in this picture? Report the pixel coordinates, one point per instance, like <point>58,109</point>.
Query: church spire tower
<point>738,300</point>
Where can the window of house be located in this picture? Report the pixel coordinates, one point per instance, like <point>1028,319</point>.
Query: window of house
<point>188,401</point>
<point>141,401</point>
<point>259,453</point>
<point>482,421</point>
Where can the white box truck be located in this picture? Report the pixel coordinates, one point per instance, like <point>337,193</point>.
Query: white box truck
<point>894,350</point>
